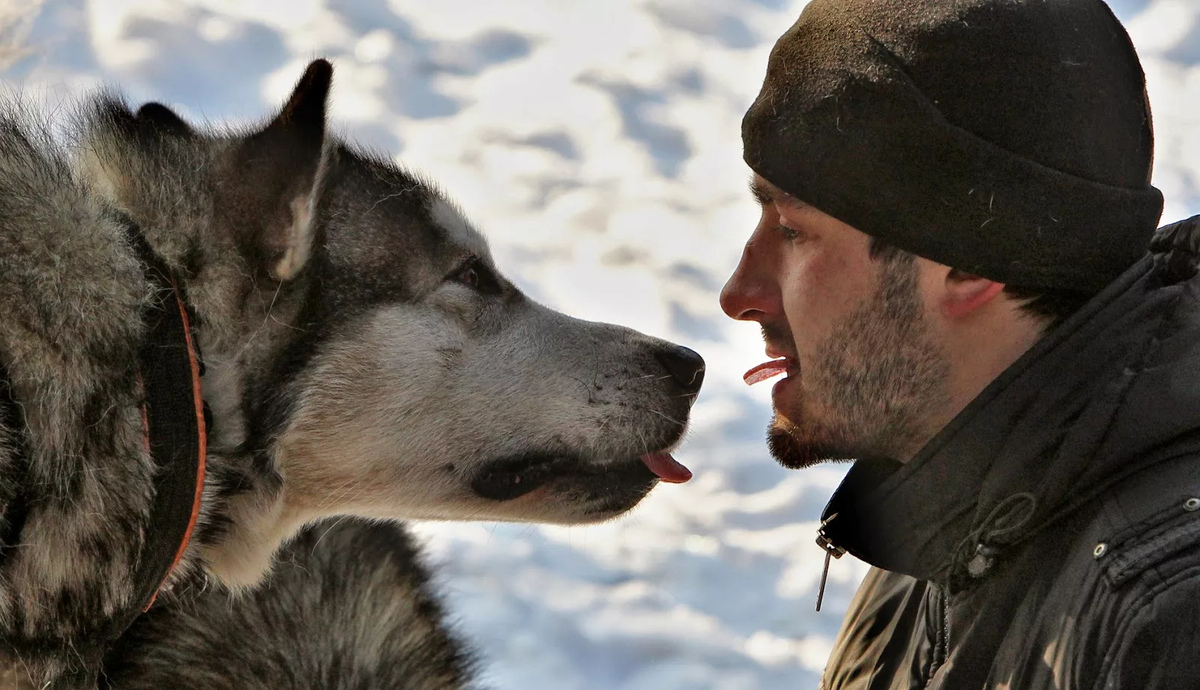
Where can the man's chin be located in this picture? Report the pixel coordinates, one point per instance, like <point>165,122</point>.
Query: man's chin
<point>797,455</point>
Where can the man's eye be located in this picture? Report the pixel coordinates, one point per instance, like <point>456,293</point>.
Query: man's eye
<point>787,233</point>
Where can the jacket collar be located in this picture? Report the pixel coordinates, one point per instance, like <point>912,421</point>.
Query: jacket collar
<point>1090,403</point>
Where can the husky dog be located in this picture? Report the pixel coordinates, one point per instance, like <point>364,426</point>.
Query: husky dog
<point>210,340</point>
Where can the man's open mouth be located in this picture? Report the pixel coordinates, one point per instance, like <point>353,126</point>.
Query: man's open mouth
<point>513,477</point>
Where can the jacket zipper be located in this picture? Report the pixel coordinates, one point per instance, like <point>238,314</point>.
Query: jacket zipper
<point>941,641</point>
<point>831,551</point>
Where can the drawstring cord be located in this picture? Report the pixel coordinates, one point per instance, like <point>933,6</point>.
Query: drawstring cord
<point>978,549</point>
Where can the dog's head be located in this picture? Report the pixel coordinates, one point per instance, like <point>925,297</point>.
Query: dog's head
<point>361,342</point>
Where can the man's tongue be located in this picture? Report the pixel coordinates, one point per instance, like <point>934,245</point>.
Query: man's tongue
<point>667,468</point>
<point>764,371</point>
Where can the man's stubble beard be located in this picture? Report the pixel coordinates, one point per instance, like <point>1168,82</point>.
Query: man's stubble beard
<point>880,375</point>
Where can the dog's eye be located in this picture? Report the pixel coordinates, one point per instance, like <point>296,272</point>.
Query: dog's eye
<point>468,275</point>
<point>475,274</point>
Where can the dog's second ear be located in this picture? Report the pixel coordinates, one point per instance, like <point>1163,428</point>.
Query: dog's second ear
<point>279,170</point>
<point>163,119</point>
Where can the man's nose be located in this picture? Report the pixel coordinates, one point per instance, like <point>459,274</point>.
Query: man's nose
<point>746,295</point>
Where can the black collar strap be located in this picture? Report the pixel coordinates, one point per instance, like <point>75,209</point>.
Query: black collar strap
<point>173,415</point>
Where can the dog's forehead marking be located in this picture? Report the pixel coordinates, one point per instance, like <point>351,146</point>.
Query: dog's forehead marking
<point>458,229</point>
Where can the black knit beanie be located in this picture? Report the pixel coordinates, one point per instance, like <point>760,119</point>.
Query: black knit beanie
<point>1007,138</point>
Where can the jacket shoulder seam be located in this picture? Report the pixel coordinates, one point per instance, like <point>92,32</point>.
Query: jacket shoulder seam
<point>1163,543</point>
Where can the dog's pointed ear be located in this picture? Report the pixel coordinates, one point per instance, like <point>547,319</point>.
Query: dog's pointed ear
<point>163,119</point>
<point>281,168</point>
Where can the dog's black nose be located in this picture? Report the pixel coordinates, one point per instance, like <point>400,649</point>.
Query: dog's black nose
<point>686,367</point>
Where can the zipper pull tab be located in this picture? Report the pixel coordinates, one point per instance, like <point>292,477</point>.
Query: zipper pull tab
<point>831,551</point>
<point>824,576</point>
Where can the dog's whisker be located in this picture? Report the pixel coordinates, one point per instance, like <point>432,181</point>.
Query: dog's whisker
<point>666,417</point>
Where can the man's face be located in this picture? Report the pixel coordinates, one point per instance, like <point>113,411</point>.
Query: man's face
<point>865,372</point>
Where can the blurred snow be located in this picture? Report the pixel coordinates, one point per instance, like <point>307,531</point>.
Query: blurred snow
<point>597,144</point>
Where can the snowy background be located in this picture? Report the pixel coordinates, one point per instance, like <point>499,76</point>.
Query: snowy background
<point>597,143</point>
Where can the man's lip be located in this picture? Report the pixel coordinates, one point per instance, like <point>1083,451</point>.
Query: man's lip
<point>778,353</point>
<point>788,360</point>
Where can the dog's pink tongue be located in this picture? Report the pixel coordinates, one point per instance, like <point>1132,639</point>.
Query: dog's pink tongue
<point>667,468</point>
<point>765,371</point>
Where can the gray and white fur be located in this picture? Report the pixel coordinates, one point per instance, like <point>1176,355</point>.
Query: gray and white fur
<point>364,357</point>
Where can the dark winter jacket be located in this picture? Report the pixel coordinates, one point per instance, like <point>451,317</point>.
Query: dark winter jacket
<point>1049,536</point>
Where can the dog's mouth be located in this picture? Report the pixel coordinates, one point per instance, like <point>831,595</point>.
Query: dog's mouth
<point>513,477</point>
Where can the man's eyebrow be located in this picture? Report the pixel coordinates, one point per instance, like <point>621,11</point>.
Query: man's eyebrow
<point>766,194</point>
<point>761,193</point>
